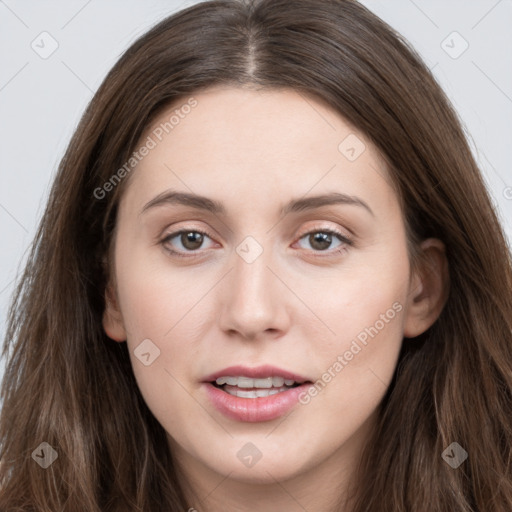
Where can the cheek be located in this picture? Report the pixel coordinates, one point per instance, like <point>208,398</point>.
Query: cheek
<point>362,348</point>
<point>160,316</point>
<point>355,365</point>
<point>359,298</point>
<point>155,297</point>
<point>171,308</point>
<point>363,308</point>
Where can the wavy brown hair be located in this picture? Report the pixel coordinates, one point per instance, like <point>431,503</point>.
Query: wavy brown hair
<point>68,384</point>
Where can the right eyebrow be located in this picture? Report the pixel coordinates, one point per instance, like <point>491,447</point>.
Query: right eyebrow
<point>185,199</point>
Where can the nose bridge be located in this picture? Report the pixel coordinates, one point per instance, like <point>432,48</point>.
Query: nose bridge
<point>251,273</point>
<point>252,302</point>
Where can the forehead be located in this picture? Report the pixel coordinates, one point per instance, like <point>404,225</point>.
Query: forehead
<point>243,141</point>
<point>228,118</point>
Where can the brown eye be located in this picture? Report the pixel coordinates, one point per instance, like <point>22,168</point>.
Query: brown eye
<point>191,240</point>
<point>185,241</point>
<point>322,240</point>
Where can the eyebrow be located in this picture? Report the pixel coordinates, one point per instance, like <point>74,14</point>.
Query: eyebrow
<point>171,197</point>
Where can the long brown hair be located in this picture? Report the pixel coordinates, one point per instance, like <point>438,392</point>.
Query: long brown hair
<point>67,384</point>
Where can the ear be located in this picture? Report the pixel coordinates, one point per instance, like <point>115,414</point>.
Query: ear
<point>428,290</point>
<point>112,319</point>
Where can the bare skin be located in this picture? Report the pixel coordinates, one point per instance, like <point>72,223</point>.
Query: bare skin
<point>298,306</point>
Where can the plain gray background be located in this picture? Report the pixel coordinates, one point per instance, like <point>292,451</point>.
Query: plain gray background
<point>466,43</point>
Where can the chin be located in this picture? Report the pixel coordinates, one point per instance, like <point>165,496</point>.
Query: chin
<point>266,470</point>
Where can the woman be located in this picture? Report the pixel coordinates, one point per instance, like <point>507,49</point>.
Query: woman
<point>269,276</point>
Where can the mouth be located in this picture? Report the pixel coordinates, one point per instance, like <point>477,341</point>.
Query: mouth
<point>254,394</point>
<point>246,387</point>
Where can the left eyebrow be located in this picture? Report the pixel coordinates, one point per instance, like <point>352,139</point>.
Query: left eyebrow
<point>295,205</point>
<point>309,203</point>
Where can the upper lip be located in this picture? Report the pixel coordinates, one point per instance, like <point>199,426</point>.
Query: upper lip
<point>257,372</point>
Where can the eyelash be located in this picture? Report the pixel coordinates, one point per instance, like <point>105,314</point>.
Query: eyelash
<point>342,238</point>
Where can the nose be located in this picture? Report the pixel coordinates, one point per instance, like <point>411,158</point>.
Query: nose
<point>254,302</point>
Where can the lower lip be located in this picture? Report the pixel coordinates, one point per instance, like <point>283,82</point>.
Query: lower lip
<point>254,410</point>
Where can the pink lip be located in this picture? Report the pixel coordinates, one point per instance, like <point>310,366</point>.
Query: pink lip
<point>254,410</point>
<point>259,372</point>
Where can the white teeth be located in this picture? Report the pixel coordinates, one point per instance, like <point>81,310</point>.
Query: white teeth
<point>260,393</point>
<point>232,381</point>
<point>246,382</point>
<point>278,382</point>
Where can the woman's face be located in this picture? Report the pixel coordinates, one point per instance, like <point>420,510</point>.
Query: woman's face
<point>300,273</point>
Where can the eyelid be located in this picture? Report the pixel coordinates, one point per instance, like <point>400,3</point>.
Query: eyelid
<point>344,238</point>
<point>187,229</point>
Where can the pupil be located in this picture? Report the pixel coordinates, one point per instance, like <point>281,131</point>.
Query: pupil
<point>192,240</point>
<point>321,240</point>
